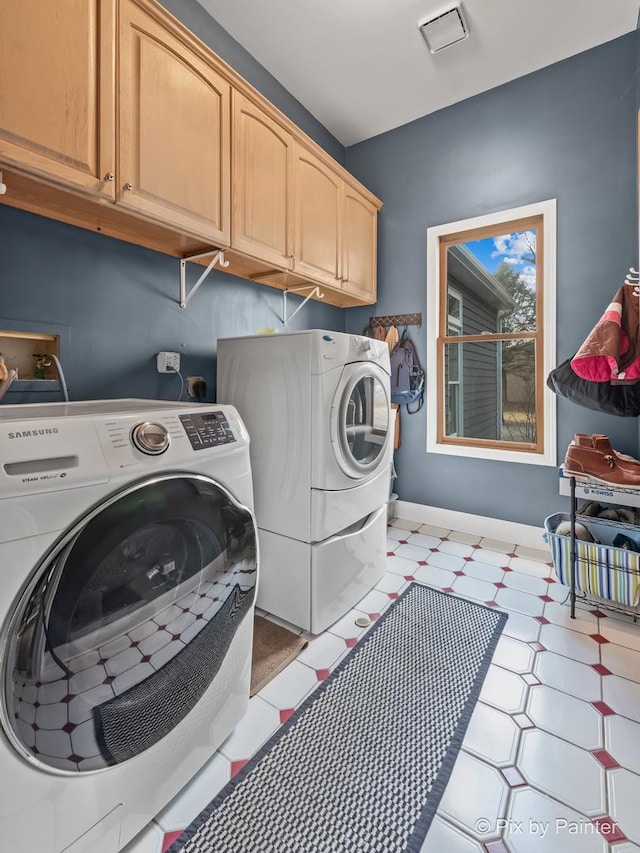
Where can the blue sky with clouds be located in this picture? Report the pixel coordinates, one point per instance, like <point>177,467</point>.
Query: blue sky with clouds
<point>491,251</point>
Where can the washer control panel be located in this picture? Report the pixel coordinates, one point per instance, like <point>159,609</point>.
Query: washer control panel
<point>207,430</point>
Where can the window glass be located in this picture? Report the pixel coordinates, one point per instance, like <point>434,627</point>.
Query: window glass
<point>454,303</point>
<point>490,381</point>
<point>453,379</point>
<point>495,397</point>
<point>502,271</point>
<point>491,336</point>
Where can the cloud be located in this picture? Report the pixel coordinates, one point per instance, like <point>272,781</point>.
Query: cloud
<point>513,248</point>
<point>528,275</point>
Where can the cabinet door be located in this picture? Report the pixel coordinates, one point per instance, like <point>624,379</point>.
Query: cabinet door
<point>318,219</point>
<point>57,91</point>
<point>262,185</point>
<point>359,245</point>
<point>174,114</point>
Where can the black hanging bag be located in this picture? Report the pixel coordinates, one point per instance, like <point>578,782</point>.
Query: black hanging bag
<point>621,400</point>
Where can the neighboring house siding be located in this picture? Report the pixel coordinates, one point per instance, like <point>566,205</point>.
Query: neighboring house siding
<point>480,393</point>
<point>479,369</point>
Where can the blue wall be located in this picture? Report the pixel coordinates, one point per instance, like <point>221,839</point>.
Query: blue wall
<point>114,304</point>
<point>565,132</point>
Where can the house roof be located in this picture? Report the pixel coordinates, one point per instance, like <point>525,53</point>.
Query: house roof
<point>467,272</point>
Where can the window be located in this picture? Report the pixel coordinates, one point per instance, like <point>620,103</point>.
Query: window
<point>453,365</point>
<point>491,336</point>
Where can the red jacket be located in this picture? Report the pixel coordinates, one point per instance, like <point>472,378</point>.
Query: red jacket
<point>611,352</point>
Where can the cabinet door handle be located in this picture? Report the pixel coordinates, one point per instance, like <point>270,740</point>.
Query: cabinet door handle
<point>128,186</point>
<point>108,177</point>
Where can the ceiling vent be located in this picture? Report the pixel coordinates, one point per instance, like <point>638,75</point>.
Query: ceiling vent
<point>444,29</point>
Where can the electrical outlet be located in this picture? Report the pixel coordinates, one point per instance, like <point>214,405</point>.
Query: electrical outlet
<point>168,362</point>
<point>192,383</point>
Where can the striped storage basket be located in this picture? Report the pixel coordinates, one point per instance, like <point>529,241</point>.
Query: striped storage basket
<point>601,570</point>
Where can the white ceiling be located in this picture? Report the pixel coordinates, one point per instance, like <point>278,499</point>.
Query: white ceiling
<point>361,67</point>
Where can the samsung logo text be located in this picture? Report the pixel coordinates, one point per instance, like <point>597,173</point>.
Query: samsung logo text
<point>33,433</point>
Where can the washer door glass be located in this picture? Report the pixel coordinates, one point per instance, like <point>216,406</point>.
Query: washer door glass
<point>137,602</point>
<point>363,426</point>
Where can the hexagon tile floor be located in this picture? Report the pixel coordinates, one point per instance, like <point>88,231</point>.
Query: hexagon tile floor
<point>551,759</point>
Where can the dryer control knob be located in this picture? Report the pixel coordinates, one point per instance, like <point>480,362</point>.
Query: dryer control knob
<point>150,438</point>
<point>364,346</point>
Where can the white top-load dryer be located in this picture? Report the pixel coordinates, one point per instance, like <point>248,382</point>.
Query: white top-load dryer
<point>317,407</point>
<point>128,553</point>
<point>316,404</point>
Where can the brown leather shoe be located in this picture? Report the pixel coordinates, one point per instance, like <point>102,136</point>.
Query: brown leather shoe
<point>602,442</point>
<point>591,464</point>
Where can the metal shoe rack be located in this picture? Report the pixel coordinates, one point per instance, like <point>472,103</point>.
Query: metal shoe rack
<point>592,491</point>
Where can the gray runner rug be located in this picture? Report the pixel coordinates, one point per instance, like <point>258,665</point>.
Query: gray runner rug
<point>364,761</point>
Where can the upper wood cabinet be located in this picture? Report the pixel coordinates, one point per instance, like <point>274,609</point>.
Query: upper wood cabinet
<point>262,186</point>
<point>116,102</point>
<point>335,229</point>
<point>359,244</point>
<point>174,129</point>
<point>57,91</point>
<point>318,219</point>
<point>292,210</point>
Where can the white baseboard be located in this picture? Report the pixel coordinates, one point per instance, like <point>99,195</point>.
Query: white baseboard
<point>478,525</point>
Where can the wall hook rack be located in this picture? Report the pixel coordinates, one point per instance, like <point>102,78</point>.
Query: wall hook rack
<point>396,320</point>
<point>218,258</point>
<point>315,291</point>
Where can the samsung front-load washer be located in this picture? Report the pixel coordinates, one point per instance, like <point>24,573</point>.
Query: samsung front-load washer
<point>128,554</point>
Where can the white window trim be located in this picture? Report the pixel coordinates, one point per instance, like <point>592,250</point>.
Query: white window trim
<point>548,210</point>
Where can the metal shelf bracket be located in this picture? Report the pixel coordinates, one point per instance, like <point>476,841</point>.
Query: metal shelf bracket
<point>218,258</point>
<point>315,291</point>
